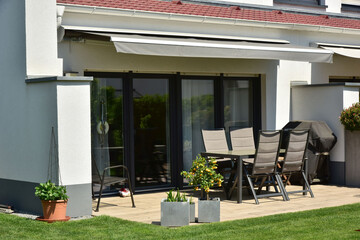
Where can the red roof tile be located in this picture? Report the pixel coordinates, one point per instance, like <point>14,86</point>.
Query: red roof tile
<point>179,7</point>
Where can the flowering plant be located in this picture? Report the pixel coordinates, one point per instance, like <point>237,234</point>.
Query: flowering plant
<point>202,174</point>
<point>350,117</point>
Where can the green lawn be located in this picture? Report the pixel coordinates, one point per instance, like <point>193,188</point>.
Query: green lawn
<point>327,223</point>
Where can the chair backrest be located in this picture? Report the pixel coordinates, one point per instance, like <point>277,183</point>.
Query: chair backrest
<point>242,138</point>
<point>215,140</point>
<point>267,152</point>
<point>295,151</point>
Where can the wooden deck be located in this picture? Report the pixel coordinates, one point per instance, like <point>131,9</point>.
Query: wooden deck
<point>148,205</point>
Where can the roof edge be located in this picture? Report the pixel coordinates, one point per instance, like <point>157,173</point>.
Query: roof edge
<point>85,9</point>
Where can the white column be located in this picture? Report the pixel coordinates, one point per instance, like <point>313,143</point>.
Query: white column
<point>288,71</point>
<point>74,132</point>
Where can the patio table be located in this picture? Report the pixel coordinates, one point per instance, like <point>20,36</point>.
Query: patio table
<point>238,156</point>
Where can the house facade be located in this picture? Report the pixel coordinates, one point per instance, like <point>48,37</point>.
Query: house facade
<point>134,82</point>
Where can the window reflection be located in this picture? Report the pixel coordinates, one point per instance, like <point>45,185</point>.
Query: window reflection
<point>106,127</point>
<point>152,132</point>
<point>197,114</point>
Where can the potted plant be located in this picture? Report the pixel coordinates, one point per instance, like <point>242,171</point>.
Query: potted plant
<point>350,118</point>
<point>202,176</point>
<point>54,201</point>
<point>175,210</point>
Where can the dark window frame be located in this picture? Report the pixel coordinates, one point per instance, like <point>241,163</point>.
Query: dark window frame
<point>176,148</point>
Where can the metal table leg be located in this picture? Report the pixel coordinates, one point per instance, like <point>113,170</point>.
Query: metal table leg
<point>240,177</point>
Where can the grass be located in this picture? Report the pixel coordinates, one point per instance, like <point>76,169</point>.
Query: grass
<point>327,223</point>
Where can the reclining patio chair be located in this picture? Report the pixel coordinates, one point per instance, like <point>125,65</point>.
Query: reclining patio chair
<point>107,180</point>
<point>264,166</point>
<point>294,159</point>
<point>215,140</point>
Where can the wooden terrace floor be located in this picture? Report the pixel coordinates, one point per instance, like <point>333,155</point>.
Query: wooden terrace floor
<point>148,205</point>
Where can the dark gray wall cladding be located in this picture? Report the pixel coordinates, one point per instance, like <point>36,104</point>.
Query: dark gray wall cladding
<point>21,196</point>
<point>337,173</point>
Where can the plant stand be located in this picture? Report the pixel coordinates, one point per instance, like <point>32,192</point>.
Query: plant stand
<point>209,210</point>
<point>175,214</point>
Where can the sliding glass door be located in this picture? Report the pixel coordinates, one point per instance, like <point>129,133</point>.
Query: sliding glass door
<point>197,113</point>
<point>151,131</point>
<point>106,127</point>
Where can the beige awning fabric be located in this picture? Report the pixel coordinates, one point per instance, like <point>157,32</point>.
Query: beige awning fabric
<point>347,52</point>
<point>352,51</point>
<point>205,48</point>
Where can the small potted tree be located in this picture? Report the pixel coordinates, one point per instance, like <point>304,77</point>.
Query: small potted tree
<point>54,202</point>
<point>202,176</point>
<point>175,210</point>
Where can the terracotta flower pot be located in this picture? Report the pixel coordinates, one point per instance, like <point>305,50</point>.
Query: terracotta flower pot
<point>54,210</point>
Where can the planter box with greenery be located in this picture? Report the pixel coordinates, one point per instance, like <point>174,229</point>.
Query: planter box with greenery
<point>175,210</point>
<point>54,201</point>
<point>202,176</point>
<point>350,118</point>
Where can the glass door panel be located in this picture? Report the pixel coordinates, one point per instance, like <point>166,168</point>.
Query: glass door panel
<point>238,106</point>
<point>152,132</point>
<point>197,114</point>
<point>106,127</point>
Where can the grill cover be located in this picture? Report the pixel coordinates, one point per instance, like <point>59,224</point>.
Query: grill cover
<point>321,140</point>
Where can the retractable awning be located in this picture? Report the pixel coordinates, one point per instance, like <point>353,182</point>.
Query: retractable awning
<point>352,51</point>
<point>214,48</point>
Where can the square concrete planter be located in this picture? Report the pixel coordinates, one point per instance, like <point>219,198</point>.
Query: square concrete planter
<point>209,210</point>
<point>352,158</point>
<point>175,214</point>
<point>192,212</point>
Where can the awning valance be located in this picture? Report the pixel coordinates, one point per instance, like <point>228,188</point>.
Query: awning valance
<point>352,51</point>
<point>214,48</point>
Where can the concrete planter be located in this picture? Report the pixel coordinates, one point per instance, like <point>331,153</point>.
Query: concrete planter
<point>352,158</point>
<point>192,212</point>
<point>209,210</point>
<point>175,214</point>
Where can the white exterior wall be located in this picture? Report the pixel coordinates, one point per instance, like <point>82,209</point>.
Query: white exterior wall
<point>333,6</point>
<point>342,66</point>
<point>41,38</point>
<point>325,103</point>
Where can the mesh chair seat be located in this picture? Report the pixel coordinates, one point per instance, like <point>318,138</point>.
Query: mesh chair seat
<point>294,159</point>
<point>264,166</point>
